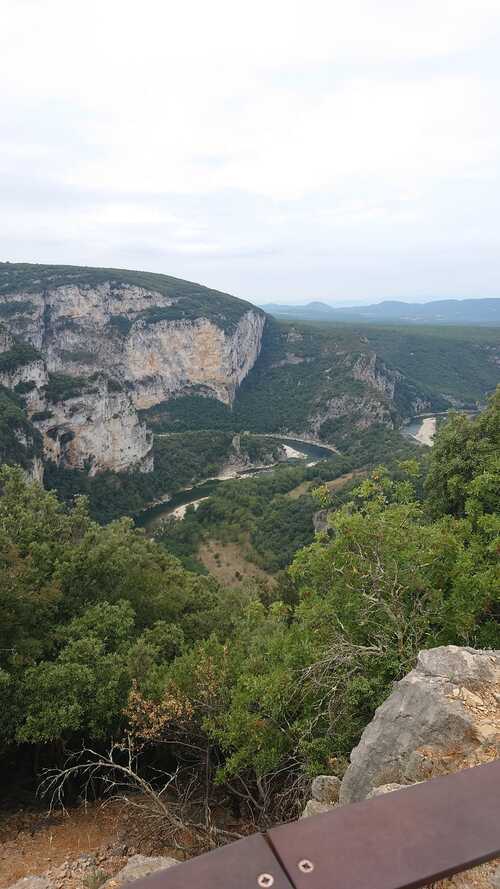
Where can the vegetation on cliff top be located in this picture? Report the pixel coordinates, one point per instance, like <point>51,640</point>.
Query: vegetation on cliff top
<point>191,300</point>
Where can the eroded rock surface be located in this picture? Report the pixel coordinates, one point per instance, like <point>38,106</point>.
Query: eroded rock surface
<point>137,867</point>
<point>129,348</point>
<point>443,716</point>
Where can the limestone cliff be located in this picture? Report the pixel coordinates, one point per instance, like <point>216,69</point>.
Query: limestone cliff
<point>129,341</point>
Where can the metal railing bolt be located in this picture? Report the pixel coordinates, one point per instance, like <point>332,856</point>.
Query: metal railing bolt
<point>306,866</point>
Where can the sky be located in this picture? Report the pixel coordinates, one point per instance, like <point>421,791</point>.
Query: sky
<point>280,151</point>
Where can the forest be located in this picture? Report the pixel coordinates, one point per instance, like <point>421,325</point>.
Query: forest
<point>106,637</point>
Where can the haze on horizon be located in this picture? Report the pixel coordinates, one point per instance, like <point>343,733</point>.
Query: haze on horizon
<point>283,152</point>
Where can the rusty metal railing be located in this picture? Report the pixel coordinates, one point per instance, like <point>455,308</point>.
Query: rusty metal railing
<point>402,840</point>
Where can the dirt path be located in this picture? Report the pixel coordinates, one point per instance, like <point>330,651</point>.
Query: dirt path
<point>33,842</point>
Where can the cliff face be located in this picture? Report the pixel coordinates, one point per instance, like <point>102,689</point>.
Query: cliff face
<point>125,331</point>
<point>163,359</point>
<point>127,346</point>
<point>96,430</point>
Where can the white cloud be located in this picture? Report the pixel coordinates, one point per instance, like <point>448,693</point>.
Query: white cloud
<point>259,147</point>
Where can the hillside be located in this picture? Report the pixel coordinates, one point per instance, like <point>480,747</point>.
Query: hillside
<point>444,311</point>
<point>94,361</point>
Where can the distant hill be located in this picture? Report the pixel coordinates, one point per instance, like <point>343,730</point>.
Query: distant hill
<point>443,311</point>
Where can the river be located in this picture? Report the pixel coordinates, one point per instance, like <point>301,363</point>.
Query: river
<point>175,507</point>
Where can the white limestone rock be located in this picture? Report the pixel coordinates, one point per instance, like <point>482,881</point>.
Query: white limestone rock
<point>443,716</point>
<point>314,807</point>
<point>325,789</point>
<point>137,867</point>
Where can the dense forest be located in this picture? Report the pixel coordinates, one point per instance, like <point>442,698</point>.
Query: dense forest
<point>260,513</point>
<point>180,460</point>
<point>104,635</point>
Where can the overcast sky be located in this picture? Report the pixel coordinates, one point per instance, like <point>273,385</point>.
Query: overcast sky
<point>345,150</point>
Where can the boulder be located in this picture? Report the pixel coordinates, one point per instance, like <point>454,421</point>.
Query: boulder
<point>385,788</point>
<point>137,867</point>
<point>443,716</point>
<point>325,789</point>
<point>313,807</point>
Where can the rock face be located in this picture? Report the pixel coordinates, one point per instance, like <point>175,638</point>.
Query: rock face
<point>128,346</point>
<point>98,429</point>
<point>125,331</point>
<point>325,793</point>
<point>361,412</point>
<point>443,716</point>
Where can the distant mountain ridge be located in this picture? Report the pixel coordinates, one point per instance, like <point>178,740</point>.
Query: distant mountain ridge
<point>443,311</point>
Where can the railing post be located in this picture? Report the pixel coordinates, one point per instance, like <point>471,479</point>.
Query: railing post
<point>402,840</point>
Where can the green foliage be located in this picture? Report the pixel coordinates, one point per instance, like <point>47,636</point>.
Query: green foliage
<point>294,686</point>
<point>102,632</point>
<point>19,440</point>
<point>464,473</point>
<point>85,611</point>
<point>40,416</point>
<point>81,356</point>
<point>20,355</point>
<point>121,324</point>
<point>256,508</point>
<point>190,300</point>
<point>15,307</point>
<point>62,386</point>
<point>24,387</point>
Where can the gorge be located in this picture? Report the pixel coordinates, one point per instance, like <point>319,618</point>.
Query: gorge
<point>93,362</point>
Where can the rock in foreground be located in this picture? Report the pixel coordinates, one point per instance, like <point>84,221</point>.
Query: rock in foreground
<point>442,717</point>
<point>137,867</point>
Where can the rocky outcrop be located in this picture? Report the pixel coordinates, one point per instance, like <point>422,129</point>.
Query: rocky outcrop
<point>324,795</point>
<point>443,716</point>
<point>368,368</point>
<point>360,412</point>
<point>96,430</point>
<point>137,867</point>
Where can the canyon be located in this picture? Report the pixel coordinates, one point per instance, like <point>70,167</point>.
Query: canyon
<point>94,362</point>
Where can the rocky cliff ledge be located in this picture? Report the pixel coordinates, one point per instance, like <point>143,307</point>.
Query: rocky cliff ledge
<point>442,717</point>
<point>127,344</point>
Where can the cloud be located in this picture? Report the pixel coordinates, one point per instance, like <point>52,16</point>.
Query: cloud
<point>279,150</point>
